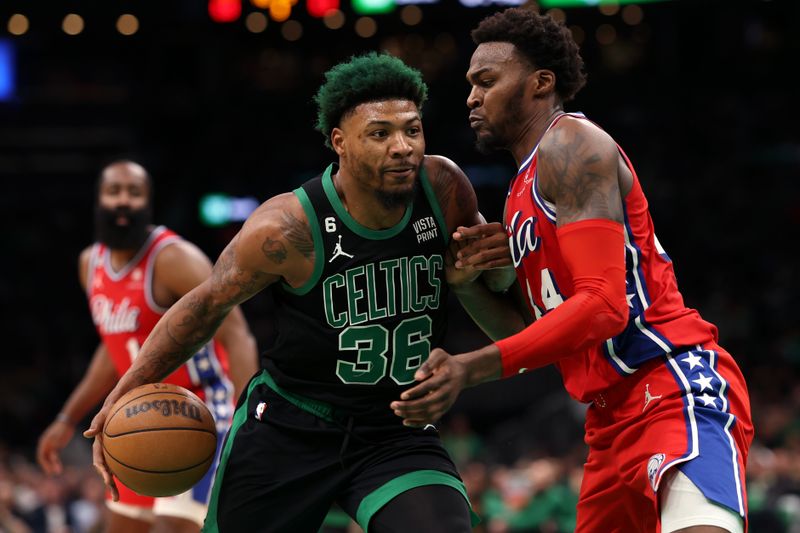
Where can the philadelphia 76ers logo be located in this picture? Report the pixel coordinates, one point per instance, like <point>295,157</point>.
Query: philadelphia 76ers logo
<point>522,239</point>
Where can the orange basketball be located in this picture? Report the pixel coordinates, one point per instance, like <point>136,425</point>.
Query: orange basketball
<point>159,439</point>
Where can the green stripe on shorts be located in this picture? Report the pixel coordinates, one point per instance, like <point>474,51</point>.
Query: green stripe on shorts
<point>379,497</point>
<point>317,408</point>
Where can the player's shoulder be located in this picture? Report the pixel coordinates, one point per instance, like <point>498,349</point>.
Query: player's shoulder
<point>273,214</point>
<point>276,238</point>
<point>179,251</point>
<point>575,134</point>
<point>439,165</point>
<point>277,203</point>
<point>84,259</point>
<point>445,175</point>
<point>453,191</point>
<point>85,256</point>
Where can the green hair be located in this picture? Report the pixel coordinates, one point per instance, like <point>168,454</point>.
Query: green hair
<point>367,78</point>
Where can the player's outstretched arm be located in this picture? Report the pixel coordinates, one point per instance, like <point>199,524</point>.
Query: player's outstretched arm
<point>205,301</point>
<point>96,383</point>
<point>442,377</point>
<point>98,380</point>
<point>264,251</point>
<point>183,266</point>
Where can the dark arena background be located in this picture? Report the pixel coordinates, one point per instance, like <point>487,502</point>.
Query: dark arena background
<point>215,99</point>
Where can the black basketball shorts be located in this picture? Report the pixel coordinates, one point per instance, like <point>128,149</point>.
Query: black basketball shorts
<point>288,459</point>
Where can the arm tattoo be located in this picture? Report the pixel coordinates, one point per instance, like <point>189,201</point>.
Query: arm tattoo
<point>233,282</point>
<point>187,330</point>
<point>298,233</point>
<point>194,319</point>
<point>578,182</point>
<point>274,250</point>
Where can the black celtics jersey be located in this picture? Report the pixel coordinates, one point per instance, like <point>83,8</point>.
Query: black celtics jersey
<point>354,334</point>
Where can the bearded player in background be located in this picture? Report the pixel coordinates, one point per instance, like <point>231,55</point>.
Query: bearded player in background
<point>132,275</point>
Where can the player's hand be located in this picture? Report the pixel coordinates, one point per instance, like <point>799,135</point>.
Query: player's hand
<point>473,250</point>
<point>484,246</point>
<point>96,431</point>
<point>453,274</point>
<point>53,440</point>
<point>441,378</point>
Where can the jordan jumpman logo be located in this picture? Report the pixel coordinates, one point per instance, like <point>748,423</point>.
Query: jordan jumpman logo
<point>648,397</point>
<point>337,251</point>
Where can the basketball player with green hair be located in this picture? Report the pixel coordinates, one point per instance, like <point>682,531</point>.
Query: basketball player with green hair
<point>357,261</point>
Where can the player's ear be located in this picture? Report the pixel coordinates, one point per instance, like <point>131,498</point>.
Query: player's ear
<point>543,82</point>
<point>337,141</point>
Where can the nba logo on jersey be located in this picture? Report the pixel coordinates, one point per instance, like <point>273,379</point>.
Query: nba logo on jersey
<point>260,408</point>
<point>653,465</point>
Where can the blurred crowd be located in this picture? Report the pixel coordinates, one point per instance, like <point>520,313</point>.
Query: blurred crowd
<point>31,502</point>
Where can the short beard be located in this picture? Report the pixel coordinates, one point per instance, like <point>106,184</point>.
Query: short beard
<point>487,145</point>
<point>130,237</point>
<point>492,142</point>
<point>391,200</point>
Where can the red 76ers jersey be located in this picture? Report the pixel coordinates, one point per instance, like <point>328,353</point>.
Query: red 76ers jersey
<point>124,312</point>
<point>659,322</point>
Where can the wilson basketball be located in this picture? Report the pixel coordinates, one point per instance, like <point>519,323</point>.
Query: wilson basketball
<point>159,439</point>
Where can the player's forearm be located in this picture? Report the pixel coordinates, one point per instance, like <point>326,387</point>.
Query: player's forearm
<point>482,365</point>
<point>180,333</point>
<point>598,309</point>
<point>493,312</point>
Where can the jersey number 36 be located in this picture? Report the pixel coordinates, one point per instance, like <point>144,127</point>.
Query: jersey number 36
<point>409,345</point>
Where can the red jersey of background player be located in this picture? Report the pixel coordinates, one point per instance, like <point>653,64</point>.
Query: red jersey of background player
<point>125,312</point>
<point>658,319</point>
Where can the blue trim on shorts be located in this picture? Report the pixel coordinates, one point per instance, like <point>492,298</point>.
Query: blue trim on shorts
<point>710,462</point>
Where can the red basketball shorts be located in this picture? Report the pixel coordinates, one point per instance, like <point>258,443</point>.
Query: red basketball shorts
<point>686,410</point>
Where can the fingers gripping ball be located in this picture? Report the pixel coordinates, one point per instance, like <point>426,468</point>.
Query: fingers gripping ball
<point>159,439</point>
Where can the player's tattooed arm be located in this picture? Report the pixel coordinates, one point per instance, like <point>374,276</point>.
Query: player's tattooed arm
<point>578,166</point>
<point>269,247</point>
<point>298,234</point>
<point>274,250</point>
<point>259,255</point>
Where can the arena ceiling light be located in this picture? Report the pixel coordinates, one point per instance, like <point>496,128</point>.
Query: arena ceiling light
<point>590,3</point>
<point>373,7</point>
